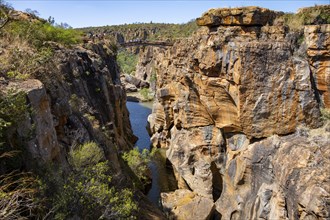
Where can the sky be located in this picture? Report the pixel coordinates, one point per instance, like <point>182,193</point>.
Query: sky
<point>88,13</point>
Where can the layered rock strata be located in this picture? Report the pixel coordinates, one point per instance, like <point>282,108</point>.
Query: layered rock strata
<point>317,39</point>
<point>221,92</point>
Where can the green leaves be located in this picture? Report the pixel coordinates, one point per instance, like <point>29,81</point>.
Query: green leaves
<point>36,33</point>
<point>89,191</point>
<point>138,162</point>
<point>127,62</point>
<point>12,109</point>
<point>88,154</point>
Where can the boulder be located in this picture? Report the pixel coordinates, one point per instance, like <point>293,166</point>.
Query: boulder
<point>183,204</point>
<point>130,87</point>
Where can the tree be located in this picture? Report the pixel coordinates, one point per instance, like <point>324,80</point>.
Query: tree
<point>51,20</point>
<point>34,13</point>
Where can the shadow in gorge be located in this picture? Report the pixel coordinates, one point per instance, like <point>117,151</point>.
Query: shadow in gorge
<point>216,182</point>
<point>163,179</point>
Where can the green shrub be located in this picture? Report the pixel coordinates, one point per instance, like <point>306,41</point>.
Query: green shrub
<point>153,77</point>
<point>36,33</point>
<point>87,154</point>
<point>88,191</point>
<point>145,93</point>
<point>17,75</point>
<point>76,103</point>
<point>138,162</point>
<point>12,110</point>
<point>127,62</point>
<point>307,16</point>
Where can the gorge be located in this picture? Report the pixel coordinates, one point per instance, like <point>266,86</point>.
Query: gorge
<point>241,112</point>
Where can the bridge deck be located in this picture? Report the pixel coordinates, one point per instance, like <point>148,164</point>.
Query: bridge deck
<point>147,43</point>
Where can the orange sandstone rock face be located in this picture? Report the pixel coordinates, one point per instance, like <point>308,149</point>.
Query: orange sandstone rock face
<point>229,85</point>
<point>250,85</point>
<point>237,16</point>
<point>317,38</point>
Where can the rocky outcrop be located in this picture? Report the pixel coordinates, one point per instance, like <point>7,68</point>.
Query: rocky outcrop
<point>247,16</point>
<point>227,88</point>
<point>43,146</point>
<point>278,177</point>
<point>317,39</point>
<point>75,98</point>
<point>130,81</point>
<point>182,204</point>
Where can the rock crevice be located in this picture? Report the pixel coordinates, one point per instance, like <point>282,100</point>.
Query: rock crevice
<point>231,104</point>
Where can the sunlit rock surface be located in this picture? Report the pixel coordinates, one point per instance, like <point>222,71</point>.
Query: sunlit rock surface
<point>236,107</point>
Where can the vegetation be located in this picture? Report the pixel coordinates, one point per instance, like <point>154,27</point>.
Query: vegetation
<point>146,94</point>
<point>157,31</point>
<point>35,30</point>
<point>88,191</point>
<point>19,196</point>
<point>307,16</point>
<point>27,42</point>
<point>138,162</point>
<point>12,110</point>
<point>18,190</point>
<point>39,32</point>
<point>127,62</point>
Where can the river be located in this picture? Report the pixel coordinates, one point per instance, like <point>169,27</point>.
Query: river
<point>162,179</point>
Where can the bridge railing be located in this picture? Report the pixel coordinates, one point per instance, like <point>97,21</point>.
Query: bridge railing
<point>146,43</point>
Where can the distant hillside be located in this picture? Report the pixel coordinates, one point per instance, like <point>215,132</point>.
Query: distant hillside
<point>144,31</point>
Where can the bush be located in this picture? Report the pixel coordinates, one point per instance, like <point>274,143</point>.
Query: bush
<point>138,162</point>
<point>87,154</point>
<point>88,191</point>
<point>127,62</point>
<point>38,32</point>
<point>12,110</point>
<point>89,194</point>
<point>145,93</point>
<point>307,16</point>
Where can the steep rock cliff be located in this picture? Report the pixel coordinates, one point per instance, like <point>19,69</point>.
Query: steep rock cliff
<point>235,82</point>
<point>74,98</point>
<point>77,97</point>
<point>317,39</point>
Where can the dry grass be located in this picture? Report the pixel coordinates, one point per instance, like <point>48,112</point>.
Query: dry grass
<point>17,196</point>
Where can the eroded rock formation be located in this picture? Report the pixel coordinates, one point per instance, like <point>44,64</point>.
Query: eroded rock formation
<point>75,98</point>
<point>317,38</point>
<point>220,93</point>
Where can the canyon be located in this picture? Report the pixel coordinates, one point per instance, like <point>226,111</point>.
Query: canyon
<point>241,108</point>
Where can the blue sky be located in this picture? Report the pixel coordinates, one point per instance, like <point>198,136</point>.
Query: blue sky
<point>110,12</point>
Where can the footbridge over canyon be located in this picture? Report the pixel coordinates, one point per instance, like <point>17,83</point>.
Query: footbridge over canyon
<point>134,43</point>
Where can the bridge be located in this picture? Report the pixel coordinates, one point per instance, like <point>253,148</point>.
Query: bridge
<point>147,43</point>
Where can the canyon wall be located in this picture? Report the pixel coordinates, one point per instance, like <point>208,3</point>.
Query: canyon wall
<point>236,107</point>
<point>75,98</point>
